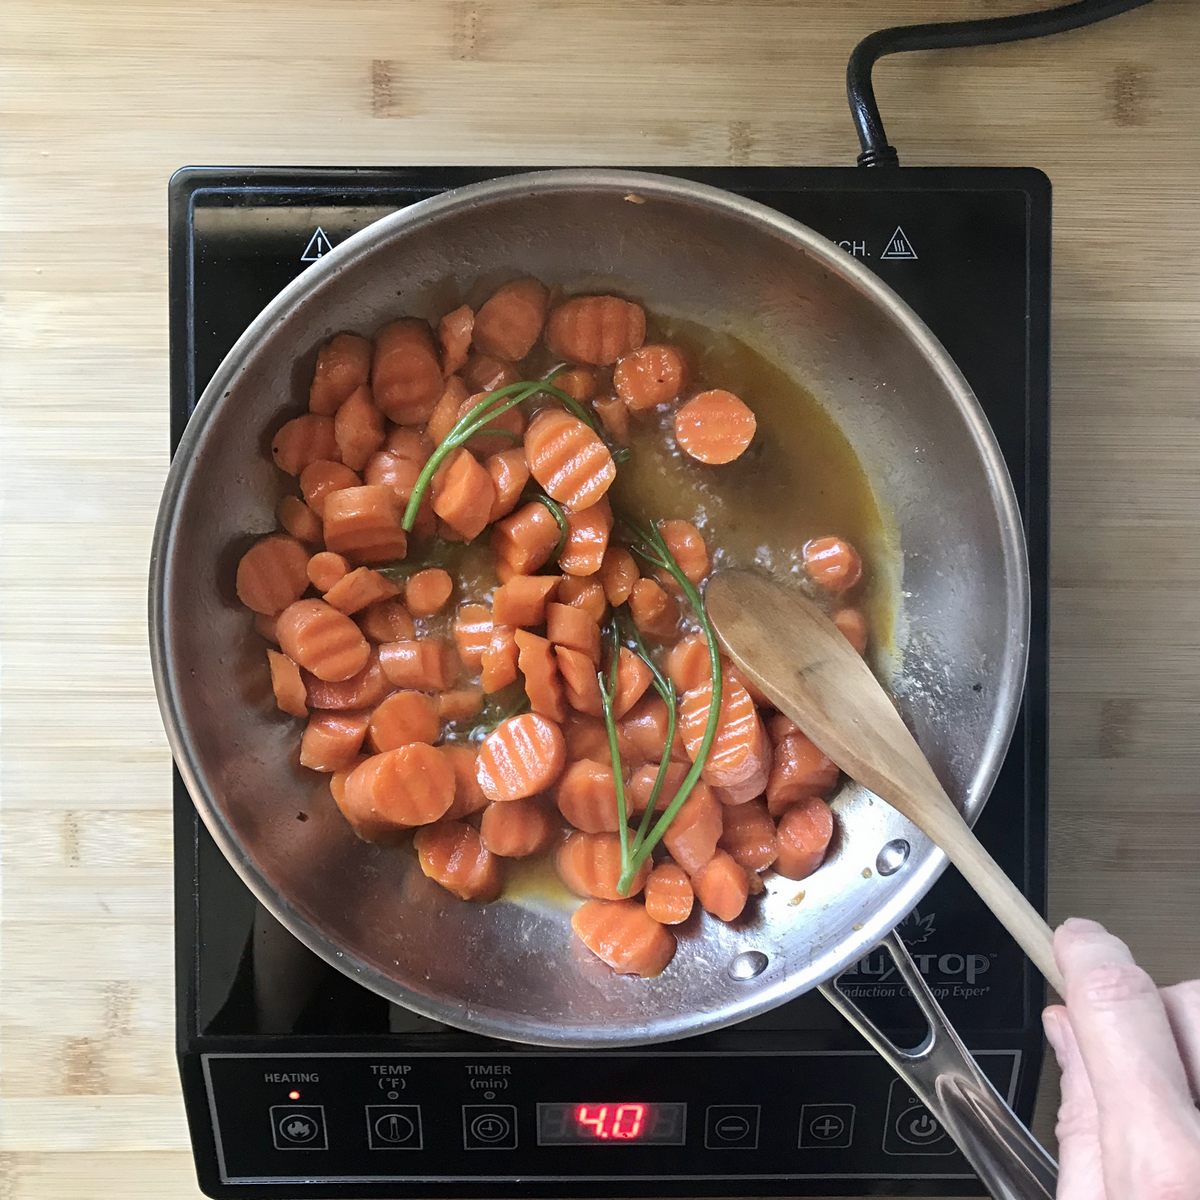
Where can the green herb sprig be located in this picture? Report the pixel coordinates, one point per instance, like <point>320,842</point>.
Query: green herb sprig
<point>608,694</point>
<point>560,519</point>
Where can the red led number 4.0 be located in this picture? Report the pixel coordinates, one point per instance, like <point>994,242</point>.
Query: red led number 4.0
<point>622,1121</point>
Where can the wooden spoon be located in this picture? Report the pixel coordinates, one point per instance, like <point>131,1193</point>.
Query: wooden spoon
<point>797,657</point>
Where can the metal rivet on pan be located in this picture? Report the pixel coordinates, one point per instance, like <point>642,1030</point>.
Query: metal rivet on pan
<point>748,964</point>
<point>892,857</point>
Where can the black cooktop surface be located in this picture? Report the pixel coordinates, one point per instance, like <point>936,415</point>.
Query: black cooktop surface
<point>300,1082</point>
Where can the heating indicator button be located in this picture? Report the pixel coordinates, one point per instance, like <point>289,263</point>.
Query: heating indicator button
<point>298,1127</point>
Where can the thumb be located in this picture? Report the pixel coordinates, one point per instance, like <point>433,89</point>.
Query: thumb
<point>1078,1130</point>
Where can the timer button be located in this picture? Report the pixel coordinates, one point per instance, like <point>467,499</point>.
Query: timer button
<point>731,1127</point>
<point>489,1127</point>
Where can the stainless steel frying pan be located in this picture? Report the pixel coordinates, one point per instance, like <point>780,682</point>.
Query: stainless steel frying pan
<point>509,970</point>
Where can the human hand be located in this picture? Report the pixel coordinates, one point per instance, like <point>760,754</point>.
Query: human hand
<point>1128,1126</point>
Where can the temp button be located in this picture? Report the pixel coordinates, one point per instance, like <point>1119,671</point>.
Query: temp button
<point>489,1127</point>
<point>394,1126</point>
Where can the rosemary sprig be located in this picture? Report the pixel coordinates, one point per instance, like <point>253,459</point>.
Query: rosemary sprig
<point>560,519</point>
<point>608,695</point>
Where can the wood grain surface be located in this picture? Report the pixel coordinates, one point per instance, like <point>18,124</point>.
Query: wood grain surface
<point>102,101</point>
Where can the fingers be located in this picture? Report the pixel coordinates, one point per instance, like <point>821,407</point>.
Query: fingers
<point>1078,1130</point>
<point>1182,1003</point>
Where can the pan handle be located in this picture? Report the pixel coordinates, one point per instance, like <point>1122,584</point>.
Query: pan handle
<point>941,1072</point>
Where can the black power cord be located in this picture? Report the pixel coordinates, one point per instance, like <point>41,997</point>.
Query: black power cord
<point>876,151</point>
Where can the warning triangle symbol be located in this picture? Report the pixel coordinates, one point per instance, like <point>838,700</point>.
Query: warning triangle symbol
<point>898,246</point>
<point>318,245</point>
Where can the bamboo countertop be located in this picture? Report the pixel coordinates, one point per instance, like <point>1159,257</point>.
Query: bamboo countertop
<point>103,101</point>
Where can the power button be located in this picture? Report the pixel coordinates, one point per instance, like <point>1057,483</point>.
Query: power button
<point>910,1128</point>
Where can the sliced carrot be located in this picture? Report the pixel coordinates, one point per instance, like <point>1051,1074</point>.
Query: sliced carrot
<point>590,865</point>
<point>587,796</point>
<point>585,735</point>
<point>580,685</point>
<point>749,835</point>
<point>691,839</point>
<point>509,323</point>
<point>573,628</point>
<point>580,383</point>
<point>805,832</point>
<point>584,594</point>
<point>525,539</point>
<point>756,694</point>
<point>454,336</point>
<point>749,789</point>
<point>714,427</point>
<point>463,495</point>
<point>510,474</point>
<point>655,611</point>
<point>483,373</point>
<point>325,568</point>
<point>460,704</point>
<point>303,440</point>
<point>387,621</point>
<point>402,718</point>
<point>290,696</point>
<point>543,684</point>
<point>363,523</point>
<point>413,444</point>
<point>472,634</point>
<point>358,429</point>
<point>343,364</point>
<point>425,665</point>
<point>363,690</point>
<point>614,416</point>
<point>272,573</point>
<point>359,589</point>
<point>568,459</point>
<point>832,564</point>
<point>495,435</point>
<point>622,934</point>
<point>618,573</point>
<point>332,740</point>
<point>780,726</point>
<point>853,627</point>
<point>320,478</point>
<point>722,887</point>
<point>641,785</point>
<point>650,376</point>
<point>337,781</point>
<point>398,789</point>
<point>522,756</point>
<point>633,678</point>
<point>688,662</point>
<point>427,591</point>
<point>595,330</point>
<point>686,543</point>
<point>453,854</point>
<point>587,539</point>
<point>399,474</point>
<point>669,895</point>
<point>406,374</point>
<point>798,770</point>
<point>741,749</point>
<point>516,828</point>
<point>498,663</point>
<point>468,795</point>
<point>445,412</point>
<point>322,640</point>
<point>264,626</point>
<point>522,600</point>
<point>645,725</point>
<point>298,520</point>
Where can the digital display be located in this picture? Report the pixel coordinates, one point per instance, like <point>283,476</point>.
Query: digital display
<point>611,1123</point>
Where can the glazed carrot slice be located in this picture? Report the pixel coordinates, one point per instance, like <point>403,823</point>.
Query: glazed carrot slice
<point>520,757</point>
<point>580,383</point>
<point>322,640</point>
<point>618,573</point>
<point>595,330</point>
<point>568,459</point>
<point>413,444</point>
<point>543,684</point>
<point>633,678</point>
<point>363,690</point>
<point>641,784</point>
<point>463,495</point>
<point>741,749</point>
<point>290,696</point>
<point>264,626</point>
<point>460,704</point>
<point>343,365</point>
<point>399,474</point>
<point>510,474</point>
<point>525,539</point>
<point>589,864</point>
<point>853,626</point>
<point>584,594</point>
<point>832,564</point>
<point>402,718</point>
<point>722,887</point>
<point>580,685</point>
<point>510,322</point>
<point>387,621</point>
<point>714,427</point>
<point>358,429</point>
<point>798,770</point>
<point>645,725</point>
<point>424,665</point>
<point>655,611</point>
<point>359,589</point>
<point>325,568</point>
<point>395,790</point>
<point>573,628</point>
<point>453,854</point>
<point>472,634</point>
<point>759,697</point>
<point>691,839</point>
<point>427,591</point>
<point>498,663</point>
<point>522,600</point>
<point>614,416</point>
<point>650,376</point>
<point>669,895</point>
<point>622,934</point>
<point>445,411</point>
<point>363,523</point>
<point>587,539</point>
<point>688,664</point>
<point>516,828</point>
<point>272,573</point>
<point>332,740</point>
<point>585,735</point>
<point>780,726</point>
<point>454,336</point>
<point>303,440</point>
<point>298,520</point>
<point>749,789</point>
<point>686,543</point>
<point>468,795</point>
<point>406,374</point>
<point>587,796</point>
<point>337,781</point>
<point>749,836</point>
<point>483,373</point>
<point>494,436</point>
<point>320,478</point>
<point>805,832</point>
